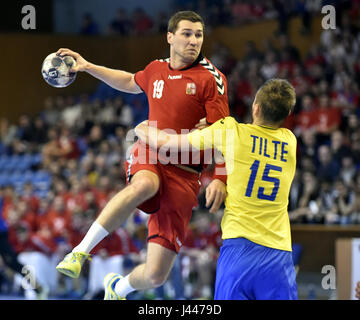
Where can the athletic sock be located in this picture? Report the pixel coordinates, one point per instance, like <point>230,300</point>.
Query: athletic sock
<point>94,235</point>
<point>123,287</point>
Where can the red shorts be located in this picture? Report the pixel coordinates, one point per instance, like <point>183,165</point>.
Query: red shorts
<point>172,206</point>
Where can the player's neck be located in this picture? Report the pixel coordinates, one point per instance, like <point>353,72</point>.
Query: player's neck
<point>262,123</point>
<point>177,63</point>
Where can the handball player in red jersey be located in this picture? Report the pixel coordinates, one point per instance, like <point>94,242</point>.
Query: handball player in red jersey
<point>181,90</point>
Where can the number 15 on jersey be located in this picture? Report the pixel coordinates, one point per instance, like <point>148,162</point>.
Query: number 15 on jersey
<point>265,177</point>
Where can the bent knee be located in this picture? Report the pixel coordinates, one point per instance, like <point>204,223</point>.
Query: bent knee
<point>145,184</point>
<point>156,278</point>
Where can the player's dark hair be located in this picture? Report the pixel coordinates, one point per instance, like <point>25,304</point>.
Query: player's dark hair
<point>276,98</point>
<point>183,15</point>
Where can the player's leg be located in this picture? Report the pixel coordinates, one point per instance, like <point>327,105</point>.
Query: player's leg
<point>151,274</point>
<point>154,272</point>
<point>276,278</point>
<point>233,272</point>
<point>144,185</point>
<point>166,233</point>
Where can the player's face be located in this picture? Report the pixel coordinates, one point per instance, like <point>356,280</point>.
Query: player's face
<point>187,41</point>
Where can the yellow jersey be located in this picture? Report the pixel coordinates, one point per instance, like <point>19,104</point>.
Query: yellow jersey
<point>260,165</point>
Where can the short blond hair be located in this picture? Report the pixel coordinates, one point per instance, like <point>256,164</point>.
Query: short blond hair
<point>276,98</point>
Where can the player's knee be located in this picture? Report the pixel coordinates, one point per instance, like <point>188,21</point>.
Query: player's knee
<point>146,186</point>
<point>156,278</point>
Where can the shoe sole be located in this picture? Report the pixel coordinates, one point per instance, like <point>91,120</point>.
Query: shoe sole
<point>67,272</point>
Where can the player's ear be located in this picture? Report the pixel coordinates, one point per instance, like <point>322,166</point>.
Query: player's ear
<point>256,109</point>
<point>169,37</point>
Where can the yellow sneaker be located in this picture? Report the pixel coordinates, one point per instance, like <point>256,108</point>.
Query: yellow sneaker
<point>71,265</point>
<point>109,283</point>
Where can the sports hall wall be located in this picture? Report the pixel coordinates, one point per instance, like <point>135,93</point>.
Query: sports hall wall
<point>23,90</point>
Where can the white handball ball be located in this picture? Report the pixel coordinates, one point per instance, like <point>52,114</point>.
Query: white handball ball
<point>56,70</point>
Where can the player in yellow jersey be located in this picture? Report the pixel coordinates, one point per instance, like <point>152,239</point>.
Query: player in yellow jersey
<point>255,259</point>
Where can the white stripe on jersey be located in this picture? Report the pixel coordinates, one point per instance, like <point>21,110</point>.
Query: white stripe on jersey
<point>219,81</point>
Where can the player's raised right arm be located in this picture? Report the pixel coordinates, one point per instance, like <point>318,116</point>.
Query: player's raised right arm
<point>117,79</point>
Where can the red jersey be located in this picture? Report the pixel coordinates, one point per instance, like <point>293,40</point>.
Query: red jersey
<point>325,118</point>
<point>305,119</point>
<point>178,99</point>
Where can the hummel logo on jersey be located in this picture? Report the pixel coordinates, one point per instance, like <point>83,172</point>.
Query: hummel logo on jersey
<point>219,81</point>
<point>179,76</point>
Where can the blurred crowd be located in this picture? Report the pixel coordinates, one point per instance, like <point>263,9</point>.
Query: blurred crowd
<point>326,188</point>
<point>82,142</point>
<point>215,13</point>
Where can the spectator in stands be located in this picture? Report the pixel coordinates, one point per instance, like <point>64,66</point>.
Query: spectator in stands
<point>124,112</point>
<point>9,250</point>
<point>25,129</point>
<point>351,127</point>
<point>71,113</point>
<point>355,148</point>
<point>343,203</point>
<point>202,246</point>
<point>269,67</point>
<point>348,170</point>
<point>283,14</point>
<point>295,191</point>
<point>355,209</point>
<point>252,52</point>
<point>326,119</point>
<point>326,201</point>
<point>50,113</point>
<point>121,25</point>
<point>141,22</point>
<point>60,147</point>
<point>57,219</point>
<point>303,10</point>
<point>338,147</point>
<point>160,23</point>
<point>307,210</point>
<point>40,130</point>
<point>328,168</point>
<point>95,138</point>
<point>89,26</point>
<point>307,145</point>
<point>241,11</point>
<point>7,133</point>
<point>304,118</point>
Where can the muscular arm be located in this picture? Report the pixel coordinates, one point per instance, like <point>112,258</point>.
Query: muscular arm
<point>117,79</point>
<point>157,138</point>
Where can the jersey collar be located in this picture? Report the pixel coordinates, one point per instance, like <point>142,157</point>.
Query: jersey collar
<point>196,62</point>
<point>267,127</point>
